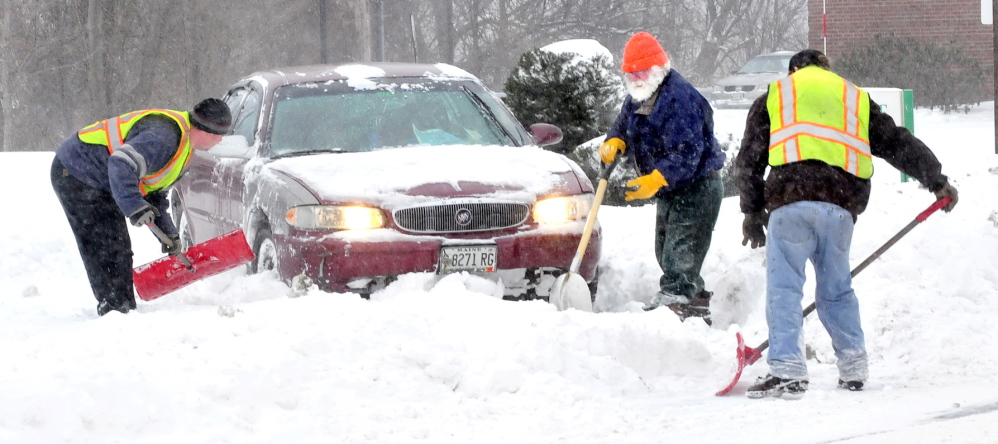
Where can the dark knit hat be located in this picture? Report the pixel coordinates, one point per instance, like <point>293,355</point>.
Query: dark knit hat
<point>212,116</point>
<point>809,57</point>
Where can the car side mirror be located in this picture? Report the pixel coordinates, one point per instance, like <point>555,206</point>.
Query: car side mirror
<point>545,134</point>
<point>232,146</point>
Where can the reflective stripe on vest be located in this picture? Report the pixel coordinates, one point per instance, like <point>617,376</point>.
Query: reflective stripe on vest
<point>816,114</point>
<point>112,133</point>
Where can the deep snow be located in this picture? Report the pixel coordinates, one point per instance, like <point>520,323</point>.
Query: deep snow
<point>235,359</point>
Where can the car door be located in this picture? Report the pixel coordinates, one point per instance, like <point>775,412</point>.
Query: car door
<point>196,190</point>
<point>230,171</point>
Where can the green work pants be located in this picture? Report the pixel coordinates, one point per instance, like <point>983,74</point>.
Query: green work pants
<point>684,225</point>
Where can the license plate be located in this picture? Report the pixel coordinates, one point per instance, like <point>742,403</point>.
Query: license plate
<point>474,258</point>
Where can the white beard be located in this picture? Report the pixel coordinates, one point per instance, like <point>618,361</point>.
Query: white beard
<point>641,90</point>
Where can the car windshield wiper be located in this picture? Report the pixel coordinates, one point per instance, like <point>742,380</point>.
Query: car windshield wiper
<point>487,111</point>
<point>310,152</point>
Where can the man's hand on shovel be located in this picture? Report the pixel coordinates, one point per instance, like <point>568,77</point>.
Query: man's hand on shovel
<point>176,247</point>
<point>171,244</point>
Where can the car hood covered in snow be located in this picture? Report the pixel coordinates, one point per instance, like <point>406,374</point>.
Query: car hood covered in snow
<point>423,173</point>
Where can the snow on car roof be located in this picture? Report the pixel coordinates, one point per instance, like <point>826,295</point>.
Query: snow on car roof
<point>359,72</point>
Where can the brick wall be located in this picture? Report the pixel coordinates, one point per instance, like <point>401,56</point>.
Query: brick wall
<point>852,24</point>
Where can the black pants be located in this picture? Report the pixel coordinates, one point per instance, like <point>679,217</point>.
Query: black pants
<point>101,235</point>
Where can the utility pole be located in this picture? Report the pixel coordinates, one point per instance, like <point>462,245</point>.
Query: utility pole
<point>994,73</point>
<point>381,30</point>
<point>824,28</point>
<point>412,27</point>
<point>323,32</point>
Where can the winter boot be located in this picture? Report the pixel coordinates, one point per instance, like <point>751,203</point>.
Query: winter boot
<point>776,387</point>
<point>105,306</point>
<point>852,386</point>
<point>666,299</point>
<point>697,307</point>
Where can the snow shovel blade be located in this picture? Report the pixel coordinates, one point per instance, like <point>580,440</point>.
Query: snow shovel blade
<point>570,290</point>
<point>208,258</point>
<point>746,356</point>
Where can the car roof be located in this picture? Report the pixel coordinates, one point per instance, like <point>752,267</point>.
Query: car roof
<point>777,53</point>
<point>341,71</point>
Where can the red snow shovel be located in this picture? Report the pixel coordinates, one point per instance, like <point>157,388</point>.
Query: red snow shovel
<point>173,272</point>
<point>748,355</point>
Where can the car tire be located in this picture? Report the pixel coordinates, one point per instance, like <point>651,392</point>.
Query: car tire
<point>594,285</point>
<point>181,220</point>
<point>184,228</point>
<point>265,251</point>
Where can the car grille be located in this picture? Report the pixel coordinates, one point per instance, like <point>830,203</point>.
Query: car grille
<point>461,217</point>
<point>739,88</point>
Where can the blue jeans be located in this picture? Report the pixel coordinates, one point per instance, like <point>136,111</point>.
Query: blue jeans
<point>820,232</point>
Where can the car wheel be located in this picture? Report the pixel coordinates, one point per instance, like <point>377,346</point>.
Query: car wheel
<point>594,285</point>
<point>184,227</point>
<point>180,220</point>
<point>265,251</point>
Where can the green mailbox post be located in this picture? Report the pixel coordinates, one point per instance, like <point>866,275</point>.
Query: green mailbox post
<point>900,105</point>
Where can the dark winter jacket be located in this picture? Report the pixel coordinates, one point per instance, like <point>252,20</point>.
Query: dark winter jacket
<point>156,138</point>
<point>674,136</point>
<point>814,180</point>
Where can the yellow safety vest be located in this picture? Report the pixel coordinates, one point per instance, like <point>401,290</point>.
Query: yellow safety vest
<point>816,114</point>
<point>112,132</point>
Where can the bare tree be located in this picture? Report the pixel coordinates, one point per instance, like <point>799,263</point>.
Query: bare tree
<point>6,93</point>
<point>77,61</point>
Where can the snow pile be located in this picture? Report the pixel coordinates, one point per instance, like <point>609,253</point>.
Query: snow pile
<point>442,360</point>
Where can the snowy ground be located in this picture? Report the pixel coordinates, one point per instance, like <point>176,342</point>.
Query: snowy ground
<point>233,359</point>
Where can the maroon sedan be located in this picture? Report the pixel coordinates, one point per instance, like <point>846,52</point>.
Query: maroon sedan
<point>347,176</point>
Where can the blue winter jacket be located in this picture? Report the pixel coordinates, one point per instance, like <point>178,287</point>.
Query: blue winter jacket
<point>156,138</point>
<point>676,137</point>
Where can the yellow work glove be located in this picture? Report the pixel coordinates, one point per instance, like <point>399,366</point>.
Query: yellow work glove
<point>609,149</point>
<point>647,185</point>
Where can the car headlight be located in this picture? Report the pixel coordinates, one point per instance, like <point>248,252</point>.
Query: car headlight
<point>334,217</point>
<point>558,210</point>
<point>718,88</point>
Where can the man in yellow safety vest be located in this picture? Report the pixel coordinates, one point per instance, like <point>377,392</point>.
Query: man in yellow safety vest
<point>120,168</point>
<point>816,132</point>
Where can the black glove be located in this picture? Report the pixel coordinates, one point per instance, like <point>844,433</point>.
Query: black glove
<point>144,216</point>
<point>752,228</point>
<point>176,247</point>
<point>950,192</point>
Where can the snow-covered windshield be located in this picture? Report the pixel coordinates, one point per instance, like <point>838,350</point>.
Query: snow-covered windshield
<point>766,64</point>
<point>337,117</point>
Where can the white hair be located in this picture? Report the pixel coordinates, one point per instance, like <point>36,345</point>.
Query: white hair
<point>641,90</point>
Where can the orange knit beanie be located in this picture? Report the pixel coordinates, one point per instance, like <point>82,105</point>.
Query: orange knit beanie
<point>641,52</point>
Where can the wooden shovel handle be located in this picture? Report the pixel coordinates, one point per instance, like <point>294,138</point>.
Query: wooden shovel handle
<point>591,221</point>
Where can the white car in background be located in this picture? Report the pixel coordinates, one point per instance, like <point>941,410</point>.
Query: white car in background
<point>750,81</point>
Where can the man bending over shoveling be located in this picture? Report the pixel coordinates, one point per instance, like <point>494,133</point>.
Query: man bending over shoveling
<point>122,167</point>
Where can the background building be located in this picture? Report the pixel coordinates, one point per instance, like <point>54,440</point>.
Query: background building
<point>838,26</point>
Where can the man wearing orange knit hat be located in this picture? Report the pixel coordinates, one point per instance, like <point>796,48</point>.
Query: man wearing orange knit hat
<point>666,131</point>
